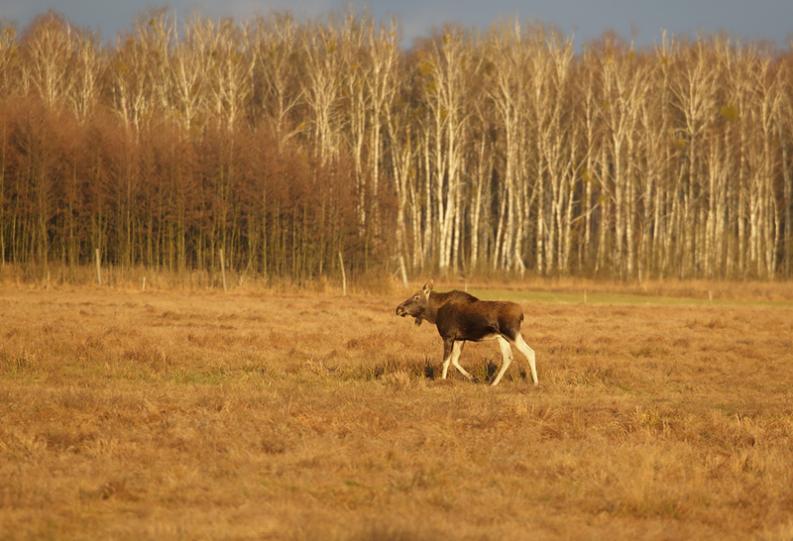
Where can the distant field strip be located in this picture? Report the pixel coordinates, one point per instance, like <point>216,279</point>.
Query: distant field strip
<point>579,297</point>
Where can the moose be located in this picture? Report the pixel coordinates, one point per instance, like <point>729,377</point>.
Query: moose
<point>461,317</point>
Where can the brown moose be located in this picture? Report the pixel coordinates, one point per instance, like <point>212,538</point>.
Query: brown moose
<point>461,318</point>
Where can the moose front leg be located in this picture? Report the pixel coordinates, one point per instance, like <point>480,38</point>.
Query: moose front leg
<point>456,352</point>
<point>448,347</point>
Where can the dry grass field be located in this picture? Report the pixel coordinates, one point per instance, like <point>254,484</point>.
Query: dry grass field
<point>261,414</point>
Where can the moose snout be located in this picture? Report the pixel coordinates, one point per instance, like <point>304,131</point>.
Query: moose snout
<point>400,311</point>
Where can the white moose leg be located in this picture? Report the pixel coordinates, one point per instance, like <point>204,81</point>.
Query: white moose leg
<point>524,348</point>
<point>506,355</point>
<point>448,349</point>
<point>456,352</point>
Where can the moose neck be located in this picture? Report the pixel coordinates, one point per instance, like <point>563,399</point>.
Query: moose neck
<point>433,303</point>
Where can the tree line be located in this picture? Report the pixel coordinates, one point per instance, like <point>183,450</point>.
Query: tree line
<point>299,146</point>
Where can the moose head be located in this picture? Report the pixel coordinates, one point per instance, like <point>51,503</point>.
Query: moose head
<point>417,304</point>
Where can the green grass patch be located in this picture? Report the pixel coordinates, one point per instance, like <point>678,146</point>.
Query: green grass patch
<point>201,377</point>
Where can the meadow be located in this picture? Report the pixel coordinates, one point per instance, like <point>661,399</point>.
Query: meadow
<point>662,413</point>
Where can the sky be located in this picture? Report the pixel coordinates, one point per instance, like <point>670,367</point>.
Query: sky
<point>639,20</point>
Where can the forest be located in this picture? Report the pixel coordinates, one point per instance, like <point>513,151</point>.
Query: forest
<point>294,147</point>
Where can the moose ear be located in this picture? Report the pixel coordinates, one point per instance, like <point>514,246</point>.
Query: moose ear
<point>427,288</point>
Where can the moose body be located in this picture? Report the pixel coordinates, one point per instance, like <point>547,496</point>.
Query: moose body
<point>461,318</point>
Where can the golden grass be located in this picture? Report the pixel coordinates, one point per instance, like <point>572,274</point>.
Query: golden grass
<point>276,415</point>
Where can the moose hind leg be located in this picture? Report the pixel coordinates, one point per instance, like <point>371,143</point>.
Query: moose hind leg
<point>506,355</point>
<point>524,348</point>
<point>448,346</point>
<point>456,352</point>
